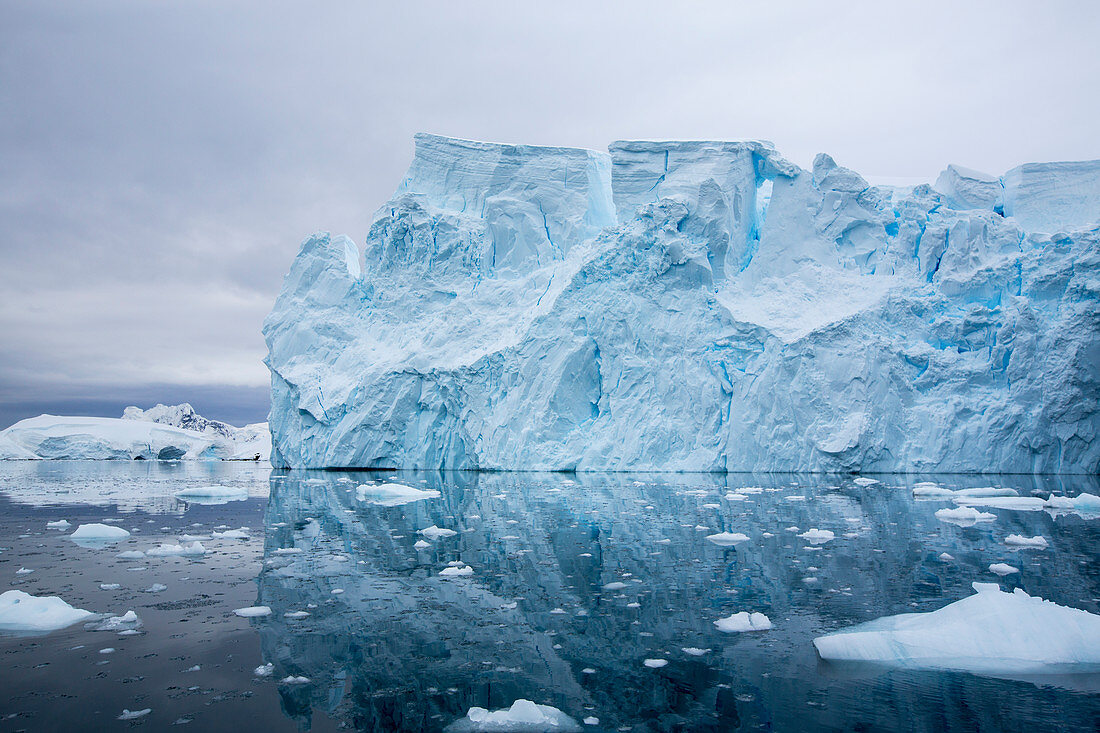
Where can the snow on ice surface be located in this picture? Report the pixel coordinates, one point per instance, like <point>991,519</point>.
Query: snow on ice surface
<point>393,494</point>
<point>23,613</point>
<point>523,716</point>
<point>727,538</point>
<point>989,632</point>
<point>743,621</point>
<point>499,318</point>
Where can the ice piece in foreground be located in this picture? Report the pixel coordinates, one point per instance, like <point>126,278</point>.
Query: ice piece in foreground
<point>523,717</point>
<point>98,534</point>
<point>23,613</point>
<point>989,632</point>
<point>695,306</point>
<point>744,621</point>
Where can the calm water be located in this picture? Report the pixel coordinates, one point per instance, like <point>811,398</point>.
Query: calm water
<point>390,645</point>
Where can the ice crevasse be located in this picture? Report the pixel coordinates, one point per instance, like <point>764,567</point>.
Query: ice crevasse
<point>695,306</point>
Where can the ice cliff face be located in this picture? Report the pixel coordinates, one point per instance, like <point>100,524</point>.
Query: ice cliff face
<point>696,306</point>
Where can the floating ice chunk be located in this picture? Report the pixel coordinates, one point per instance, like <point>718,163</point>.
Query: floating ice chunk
<point>22,613</point>
<point>295,615</point>
<point>192,550</point>
<point>744,621</point>
<point>524,715</point>
<point>93,535</point>
<point>1003,569</point>
<point>817,536</point>
<point>213,494</point>
<point>927,489</point>
<point>1086,505</point>
<point>134,714</point>
<point>393,494</point>
<point>864,481</point>
<point>422,545</point>
<point>59,524</point>
<point>946,557</point>
<point>436,533</point>
<point>1018,540</point>
<point>185,538</point>
<point>749,490</point>
<point>128,621</point>
<point>591,720</point>
<point>234,534</point>
<point>107,650</point>
<point>727,538</point>
<point>292,680</point>
<point>693,651</point>
<point>264,670</point>
<point>156,588</point>
<point>23,571</point>
<point>990,632</point>
<point>288,551</point>
<point>131,555</point>
<point>615,585</point>
<point>655,663</point>
<point>253,611</point>
<point>964,516</point>
<point>455,571</point>
<point>109,586</point>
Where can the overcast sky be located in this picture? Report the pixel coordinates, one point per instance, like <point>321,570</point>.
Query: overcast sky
<point>161,161</point>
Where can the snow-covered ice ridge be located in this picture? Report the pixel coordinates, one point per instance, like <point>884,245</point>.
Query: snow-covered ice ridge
<point>163,432</point>
<point>704,306</point>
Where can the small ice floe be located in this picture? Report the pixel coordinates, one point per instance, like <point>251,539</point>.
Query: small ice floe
<point>436,533</point>
<point>295,615</point>
<point>192,550</point>
<point>288,551</point>
<point>693,651</point>
<point>743,621</point>
<point>234,534</point>
<point>421,545</point>
<point>393,494</point>
<point>134,714</point>
<point>797,497</point>
<point>195,668</point>
<point>292,680</point>
<point>23,571</point>
<point>97,535</point>
<point>655,663</point>
<point>186,538</point>
<point>727,538</point>
<point>929,490</point>
<point>128,621</point>
<point>131,555</point>
<point>946,557</point>
<point>456,571</point>
<point>712,506</point>
<point>264,670</point>
<point>588,670</point>
<point>615,585</point>
<point>1087,506</point>
<point>212,494</point>
<point>22,613</point>
<point>156,588</point>
<point>253,611</point>
<point>731,496</point>
<point>1003,569</point>
<point>817,536</point>
<point>991,632</point>
<point>336,591</point>
<point>59,524</point>
<point>591,720</point>
<point>109,586</point>
<point>964,516</point>
<point>1018,540</point>
<point>524,715</point>
<point>107,650</point>
<point>864,481</point>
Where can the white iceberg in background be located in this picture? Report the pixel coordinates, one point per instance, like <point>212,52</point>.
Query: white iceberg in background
<point>1016,540</point>
<point>168,550</point>
<point>522,307</point>
<point>393,494</point>
<point>523,716</point>
<point>743,621</point>
<point>727,538</point>
<point>817,536</point>
<point>98,535</point>
<point>964,516</point>
<point>213,494</point>
<point>991,632</point>
<point>22,613</point>
<point>163,432</point>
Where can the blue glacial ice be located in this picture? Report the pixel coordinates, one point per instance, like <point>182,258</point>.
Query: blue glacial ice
<point>696,306</point>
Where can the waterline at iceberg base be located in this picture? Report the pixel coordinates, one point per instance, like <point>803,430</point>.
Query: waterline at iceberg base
<point>696,306</point>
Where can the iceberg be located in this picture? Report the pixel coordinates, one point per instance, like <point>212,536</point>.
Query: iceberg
<point>22,613</point>
<point>991,632</point>
<point>523,716</point>
<point>695,306</point>
<point>95,533</point>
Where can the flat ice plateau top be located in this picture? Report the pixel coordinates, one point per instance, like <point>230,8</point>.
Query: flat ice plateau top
<point>702,306</point>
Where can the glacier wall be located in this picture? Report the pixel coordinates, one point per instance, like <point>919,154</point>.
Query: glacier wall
<point>696,306</point>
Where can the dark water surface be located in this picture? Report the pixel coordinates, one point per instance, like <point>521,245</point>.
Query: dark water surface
<point>389,644</point>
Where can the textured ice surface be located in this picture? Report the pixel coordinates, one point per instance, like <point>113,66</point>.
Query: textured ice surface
<point>213,494</point>
<point>23,613</point>
<point>98,533</point>
<point>991,631</point>
<point>744,621</point>
<point>695,306</point>
<point>523,716</point>
<point>392,494</point>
